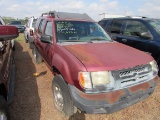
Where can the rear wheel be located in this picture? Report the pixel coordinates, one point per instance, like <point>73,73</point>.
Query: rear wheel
<point>4,113</point>
<point>37,56</point>
<point>62,97</point>
<point>31,45</point>
<point>26,41</point>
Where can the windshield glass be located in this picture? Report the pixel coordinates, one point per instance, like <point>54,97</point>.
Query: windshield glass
<point>155,24</point>
<point>80,31</point>
<point>15,23</point>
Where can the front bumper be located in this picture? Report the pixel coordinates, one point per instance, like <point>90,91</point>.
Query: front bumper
<point>112,101</point>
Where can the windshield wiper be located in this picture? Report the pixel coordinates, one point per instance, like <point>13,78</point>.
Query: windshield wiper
<point>61,41</point>
<point>98,39</point>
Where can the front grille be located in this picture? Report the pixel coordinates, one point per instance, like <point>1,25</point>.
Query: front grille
<point>131,76</point>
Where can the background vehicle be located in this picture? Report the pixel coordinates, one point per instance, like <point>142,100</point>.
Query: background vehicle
<point>7,68</point>
<point>18,24</point>
<point>28,33</point>
<point>92,72</point>
<point>140,33</point>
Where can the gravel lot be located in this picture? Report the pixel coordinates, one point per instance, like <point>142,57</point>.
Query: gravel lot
<point>33,95</point>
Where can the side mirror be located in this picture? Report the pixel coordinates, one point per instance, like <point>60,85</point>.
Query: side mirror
<point>46,39</point>
<point>146,35</point>
<point>8,32</point>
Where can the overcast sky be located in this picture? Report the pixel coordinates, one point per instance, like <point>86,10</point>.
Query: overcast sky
<point>28,8</point>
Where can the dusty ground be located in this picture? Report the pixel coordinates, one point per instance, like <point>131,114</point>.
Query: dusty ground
<point>33,95</point>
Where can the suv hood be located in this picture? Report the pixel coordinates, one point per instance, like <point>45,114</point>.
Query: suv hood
<point>108,56</point>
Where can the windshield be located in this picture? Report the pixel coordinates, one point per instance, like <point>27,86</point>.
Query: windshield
<point>80,31</point>
<point>15,23</point>
<point>155,24</point>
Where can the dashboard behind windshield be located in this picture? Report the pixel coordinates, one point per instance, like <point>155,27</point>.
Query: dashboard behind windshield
<point>80,31</point>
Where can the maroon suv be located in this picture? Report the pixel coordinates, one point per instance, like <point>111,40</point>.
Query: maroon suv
<point>91,72</point>
<point>7,67</point>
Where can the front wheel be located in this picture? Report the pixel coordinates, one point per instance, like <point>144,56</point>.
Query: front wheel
<point>4,113</point>
<point>62,97</point>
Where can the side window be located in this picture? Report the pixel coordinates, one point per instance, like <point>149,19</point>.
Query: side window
<point>135,28</point>
<point>37,24</point>
<point>41,26</point>
<point>48,30</point>
<point>28,23</point>
<point>116,26</point>
<point>103,23</point>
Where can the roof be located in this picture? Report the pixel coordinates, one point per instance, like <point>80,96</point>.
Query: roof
<point>130,18</point>
<point>68,15</point>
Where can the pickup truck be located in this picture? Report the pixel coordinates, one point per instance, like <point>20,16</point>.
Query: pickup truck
<point>7,67</point>
<point>92,72</point>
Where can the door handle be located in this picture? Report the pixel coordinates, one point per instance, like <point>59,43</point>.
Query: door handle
<point>124,40</point>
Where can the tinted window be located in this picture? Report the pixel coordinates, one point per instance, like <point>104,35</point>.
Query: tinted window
<point>115,26</point>
<point>134,28</point>
<point>15,23</point>
<point>41,26</point>
<point>48,30</point>
<point>103,23</point>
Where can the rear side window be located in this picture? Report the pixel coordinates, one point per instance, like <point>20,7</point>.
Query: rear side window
<point>115,26</point>
<point>41,26</point>
<point>134,28</point>
<point>34,22</point>
<point>37,23</point>
<point>48,30</point>
<point>103,23</point>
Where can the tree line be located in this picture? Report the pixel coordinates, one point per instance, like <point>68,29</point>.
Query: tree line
<point>7,20</point>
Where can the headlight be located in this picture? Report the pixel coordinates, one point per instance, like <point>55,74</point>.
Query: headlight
<point>100,78</point>
<point>85,80</point>
<point>91,80</point>
<point>154,66</point>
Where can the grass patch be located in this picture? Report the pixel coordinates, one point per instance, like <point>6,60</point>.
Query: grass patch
<point>20,37</point>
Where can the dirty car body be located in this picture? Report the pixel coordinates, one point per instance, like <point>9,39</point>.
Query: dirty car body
<point>102,76</point>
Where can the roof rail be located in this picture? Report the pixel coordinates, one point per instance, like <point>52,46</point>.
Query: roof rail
<point>67,15</point>
<point>50,13</point>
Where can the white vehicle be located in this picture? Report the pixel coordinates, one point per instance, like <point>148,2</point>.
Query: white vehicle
<point>1,21</point>
<point>28,33</point>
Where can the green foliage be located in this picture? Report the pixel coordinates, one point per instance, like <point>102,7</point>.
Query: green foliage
<point>7,20</point>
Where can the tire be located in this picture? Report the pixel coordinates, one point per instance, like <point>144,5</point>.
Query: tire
<point>25,39</point>
<point>62,98</point>
<point>4,113</point>
<point>37,56</point>
<point>30,44</point>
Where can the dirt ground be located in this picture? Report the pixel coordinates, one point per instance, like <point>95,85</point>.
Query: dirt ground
<point>33,95</point>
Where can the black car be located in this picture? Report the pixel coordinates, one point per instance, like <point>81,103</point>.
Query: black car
<point>18,24</point>
<point>140,33</point>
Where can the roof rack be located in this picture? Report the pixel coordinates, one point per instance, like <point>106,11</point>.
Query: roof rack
<point>55,14</point>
